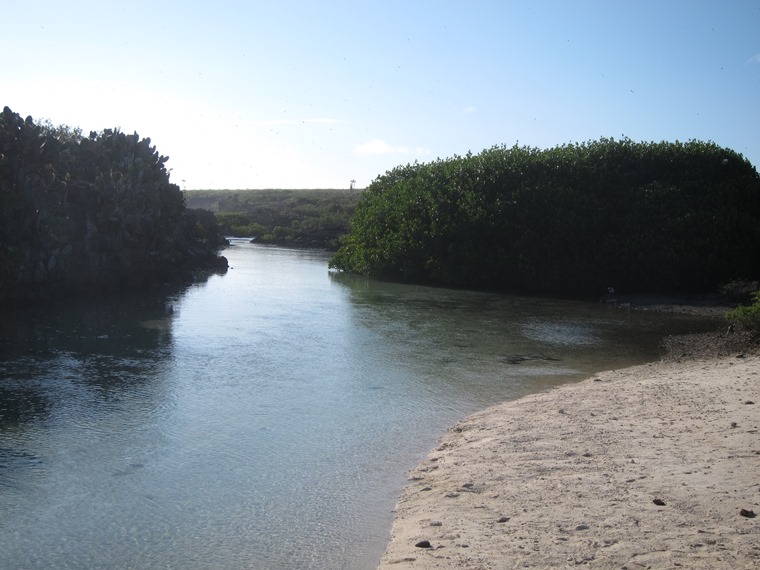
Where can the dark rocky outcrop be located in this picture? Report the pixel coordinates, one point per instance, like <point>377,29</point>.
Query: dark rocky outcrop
<point>83,215</point>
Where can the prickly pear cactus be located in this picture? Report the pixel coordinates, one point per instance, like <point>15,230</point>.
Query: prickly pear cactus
<point>97,213</point>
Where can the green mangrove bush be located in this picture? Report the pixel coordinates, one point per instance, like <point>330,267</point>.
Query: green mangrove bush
<point>573,219</point>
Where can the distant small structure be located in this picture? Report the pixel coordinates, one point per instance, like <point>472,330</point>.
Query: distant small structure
<point>353,184</point>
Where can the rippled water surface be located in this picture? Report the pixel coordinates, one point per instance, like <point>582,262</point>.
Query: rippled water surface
<point>266,418</point>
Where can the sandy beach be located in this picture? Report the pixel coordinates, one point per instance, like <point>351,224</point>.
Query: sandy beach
<point>654,466</point>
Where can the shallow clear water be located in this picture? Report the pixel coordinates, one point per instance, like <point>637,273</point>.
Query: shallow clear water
<point>268,420</point>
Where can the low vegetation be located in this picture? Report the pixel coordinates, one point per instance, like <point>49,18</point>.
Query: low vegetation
<point>574,219</point>
<point>747,317</point>
<point>296,218</point>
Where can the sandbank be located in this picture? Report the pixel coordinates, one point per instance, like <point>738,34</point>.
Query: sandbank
<point>654,466</point>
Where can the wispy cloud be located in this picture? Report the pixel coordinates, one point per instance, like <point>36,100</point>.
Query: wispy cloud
<point>377,146</point>
<point>754,59</point>
<point>469,110</point>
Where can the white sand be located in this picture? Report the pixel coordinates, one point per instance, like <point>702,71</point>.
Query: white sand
<point>568,477</point>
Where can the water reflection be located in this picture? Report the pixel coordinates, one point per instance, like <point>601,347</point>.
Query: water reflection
<point>73,377</point>
<point>474,339</point>
<point>103,346</point>
<point>97,326</point>
<point>268,420</point>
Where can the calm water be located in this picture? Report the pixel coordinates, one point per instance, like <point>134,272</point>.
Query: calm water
<point>268,421</point>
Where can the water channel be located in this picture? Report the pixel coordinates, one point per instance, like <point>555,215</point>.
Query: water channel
<point>265,418</point>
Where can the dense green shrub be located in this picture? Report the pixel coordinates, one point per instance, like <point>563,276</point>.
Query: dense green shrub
<point>747,316</point>
<point>238,224</point>
<point>573,219</point>
<point>90,213</point>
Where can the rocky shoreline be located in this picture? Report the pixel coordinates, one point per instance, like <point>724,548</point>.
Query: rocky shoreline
<point>654,466</point>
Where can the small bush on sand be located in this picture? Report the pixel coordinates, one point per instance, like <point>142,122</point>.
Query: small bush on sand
<point>747,316</point>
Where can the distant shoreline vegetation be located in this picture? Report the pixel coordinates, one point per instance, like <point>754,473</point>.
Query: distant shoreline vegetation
<point>570,220</point>
<point>296,218</point>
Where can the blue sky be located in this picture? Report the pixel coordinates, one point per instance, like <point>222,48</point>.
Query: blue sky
<point>314,94</point>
